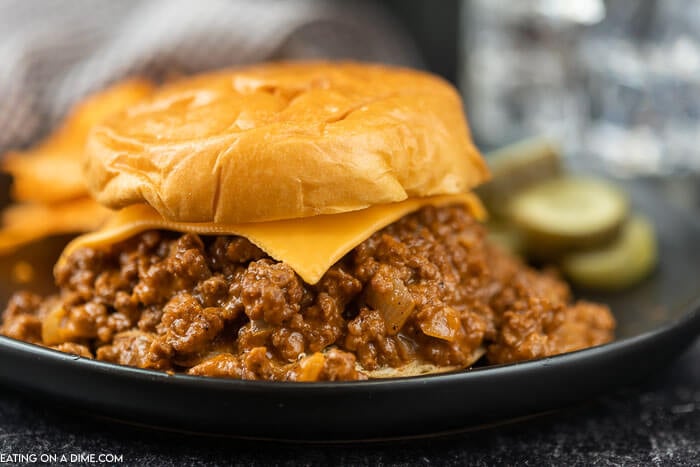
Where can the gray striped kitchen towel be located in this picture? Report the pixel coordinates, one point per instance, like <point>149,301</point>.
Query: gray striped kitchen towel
<point>54,52</point>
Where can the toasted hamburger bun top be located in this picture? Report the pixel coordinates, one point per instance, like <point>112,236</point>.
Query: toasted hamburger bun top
<point>285,140</point>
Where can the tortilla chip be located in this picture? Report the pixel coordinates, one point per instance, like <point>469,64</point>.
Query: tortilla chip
<point>35,177</point>
<point>25,223</point>
<point>51,172</point>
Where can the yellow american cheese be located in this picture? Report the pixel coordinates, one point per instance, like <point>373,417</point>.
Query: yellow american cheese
<point>308,245</point>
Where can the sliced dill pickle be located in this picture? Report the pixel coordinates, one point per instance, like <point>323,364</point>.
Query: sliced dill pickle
<point>516,167</point>
<point>624,262</point>
<point>564,214</point>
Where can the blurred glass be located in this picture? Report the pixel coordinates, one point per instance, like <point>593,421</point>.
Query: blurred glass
<point>617,81</point>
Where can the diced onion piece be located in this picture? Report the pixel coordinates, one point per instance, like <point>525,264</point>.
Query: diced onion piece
<point>52,331</point>
<point>310,367</point>
<point>390,297</point>
<point>443,324</point>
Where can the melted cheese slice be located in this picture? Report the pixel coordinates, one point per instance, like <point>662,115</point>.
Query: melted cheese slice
<point>308,245</point>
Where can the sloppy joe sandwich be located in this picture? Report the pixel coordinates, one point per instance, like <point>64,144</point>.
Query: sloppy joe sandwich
<point>297,221</point>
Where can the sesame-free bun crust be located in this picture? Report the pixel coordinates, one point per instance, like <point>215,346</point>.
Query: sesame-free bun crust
<point>285,140</point>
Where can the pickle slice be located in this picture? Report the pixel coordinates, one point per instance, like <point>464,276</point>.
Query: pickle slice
<point>626,261</point>
<point>568,213</point>
<point>516,167</point>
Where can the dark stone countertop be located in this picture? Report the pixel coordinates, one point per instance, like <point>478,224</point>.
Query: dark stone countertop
<point>655,423</point>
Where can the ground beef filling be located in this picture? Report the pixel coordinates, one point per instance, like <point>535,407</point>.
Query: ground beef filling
<point>428,289</point>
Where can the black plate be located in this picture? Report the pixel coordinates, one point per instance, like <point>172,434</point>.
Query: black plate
<point>657,319</point>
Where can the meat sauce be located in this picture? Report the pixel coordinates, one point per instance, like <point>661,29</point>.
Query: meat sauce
<point>428,288</point>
